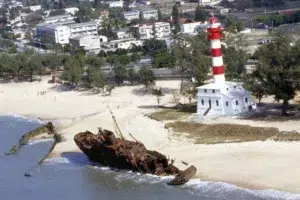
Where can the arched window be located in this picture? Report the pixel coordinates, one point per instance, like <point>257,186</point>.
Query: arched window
<point>246,100</point>
<point>236,102</point>
<point>227,104</point>
<point>202,102</point>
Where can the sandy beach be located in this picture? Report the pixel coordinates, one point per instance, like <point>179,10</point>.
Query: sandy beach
<point>254,165</point>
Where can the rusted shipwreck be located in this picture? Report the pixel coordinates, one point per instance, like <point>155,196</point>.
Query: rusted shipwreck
<point>106,149</point>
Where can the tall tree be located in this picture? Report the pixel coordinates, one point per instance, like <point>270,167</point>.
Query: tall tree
<point>200,14</point>
<point>235,61</point>
<point>132,76</point>
<point>163,59</point>
<point>278,69</point>
<point>175,16</point>
<point>73,72</point>
<point>146,77</point>
<point>120,73</point>
<point>159,15</point>
<point>97,77</point>
<point>182,52</point>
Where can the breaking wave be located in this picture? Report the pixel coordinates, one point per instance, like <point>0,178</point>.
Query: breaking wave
<point>215,190</point>
<point>27,119</point>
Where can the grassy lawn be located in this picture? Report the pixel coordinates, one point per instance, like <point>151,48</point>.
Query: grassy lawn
<point>172,113</point>
<point>227,133</point>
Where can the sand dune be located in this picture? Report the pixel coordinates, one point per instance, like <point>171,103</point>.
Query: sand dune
<point>257,165</point>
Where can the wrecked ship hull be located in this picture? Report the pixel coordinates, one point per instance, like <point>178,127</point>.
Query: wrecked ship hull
<point>107,150</point>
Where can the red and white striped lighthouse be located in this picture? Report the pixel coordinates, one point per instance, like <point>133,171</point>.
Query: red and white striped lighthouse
<point>215,35</point>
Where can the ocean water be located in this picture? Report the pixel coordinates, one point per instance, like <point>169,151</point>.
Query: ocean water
<point>73,177</point>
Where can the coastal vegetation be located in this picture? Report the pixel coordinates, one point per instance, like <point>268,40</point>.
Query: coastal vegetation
<point>228,133</point>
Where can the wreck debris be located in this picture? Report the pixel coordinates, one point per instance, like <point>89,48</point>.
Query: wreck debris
<point>106,149</point>
<point>184,176</point>
<point>45,131</point>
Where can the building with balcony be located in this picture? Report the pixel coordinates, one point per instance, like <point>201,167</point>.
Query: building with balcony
<point>131,15</point>
<point>193,28</point>
<point>122,44</point>
<point>162,30</point>
<point>58,18</point>
<point>150,14</point>
<point>115,4</point>
<point>52,33</point>
<point>86,28</point>
<point>60,33</point>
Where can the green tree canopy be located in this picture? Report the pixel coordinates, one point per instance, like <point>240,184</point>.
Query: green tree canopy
<point>163,59</point>
<point>235,61</point>
<point>146,77</point>
<point>278,69</point>
<point>73,72</point>
<point>200,14</point>
<point>120,73</point>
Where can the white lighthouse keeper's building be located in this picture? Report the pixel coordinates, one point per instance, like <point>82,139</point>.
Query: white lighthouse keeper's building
<point>221,97</point>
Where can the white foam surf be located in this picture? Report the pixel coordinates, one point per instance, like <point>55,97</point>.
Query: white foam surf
<point>217,190</point>
<point>33,120</point>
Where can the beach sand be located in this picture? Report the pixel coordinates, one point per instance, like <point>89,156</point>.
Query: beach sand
<point>254,165</point>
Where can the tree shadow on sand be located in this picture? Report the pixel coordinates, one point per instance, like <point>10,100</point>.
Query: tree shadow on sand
<point>272,112</point>
<point>142,91</point>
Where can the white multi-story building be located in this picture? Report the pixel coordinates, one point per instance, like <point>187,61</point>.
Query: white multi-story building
<point>89,43</point>
<point>58,33</point>
<point>35,8</point>
<point>193,28</point>
<point>131,15</point>
<point>150,14</point>
<point>71,10</point>
<point>58,18</point>
<point>87,28</point>
<point>52,33</point>
<point>210,2</point>
<point>115,4</point>
<point>162,29</point>
<point>123,44</point>
<point>15,4</point>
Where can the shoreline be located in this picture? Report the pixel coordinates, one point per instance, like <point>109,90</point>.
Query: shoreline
<point>262,165</point>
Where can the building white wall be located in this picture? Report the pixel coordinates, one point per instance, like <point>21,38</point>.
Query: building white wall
<point>71,10</point>
<point>131,15</point>
<point>57,18</point>
<point>190,28</point>
<point>103,39</point>
<point>115,4</point>
<point>54,33</point>
<point>123,44</point>
<point>88,43</point>
<point>227,100</point>
<point>162,29</point>
<point>87,28</point>
<point>35,8</point>
<point>149,14</point>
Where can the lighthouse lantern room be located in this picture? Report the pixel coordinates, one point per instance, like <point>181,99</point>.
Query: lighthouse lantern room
<point>221,97</point>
